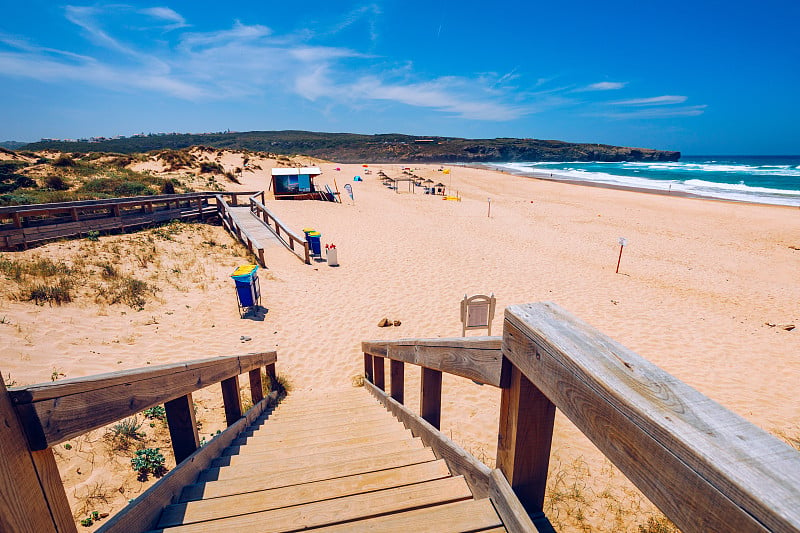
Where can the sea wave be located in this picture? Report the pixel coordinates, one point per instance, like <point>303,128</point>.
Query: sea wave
<point>672,177</point>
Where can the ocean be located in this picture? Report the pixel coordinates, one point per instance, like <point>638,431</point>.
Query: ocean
<point>762,179</point>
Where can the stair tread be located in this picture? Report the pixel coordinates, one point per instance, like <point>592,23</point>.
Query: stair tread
<point>346,508</point>
<point>201,510</point>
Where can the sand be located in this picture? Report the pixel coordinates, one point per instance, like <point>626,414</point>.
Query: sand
<point>699,283</point>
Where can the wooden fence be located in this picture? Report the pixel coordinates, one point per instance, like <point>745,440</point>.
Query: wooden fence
<point>21,226</point>
<point>704,467</point>
<point>33,419</point>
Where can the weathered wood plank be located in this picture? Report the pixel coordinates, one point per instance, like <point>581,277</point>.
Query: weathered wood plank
<point>50,480</point>
<point>511,511</point>
<point>231,399</point>
<point>320,424</point>
<point>202,510</point>
<point>459,460</point>
<point>69,386</point>
<point>397,380</point>
<point>256,387</point>
<point>475,358</point>
<point>23,506</point>
<point>345,509</point>
<point>182,426</point>
<point>430,397</point>
<point>313,456</point>
<point>702,465</point>
<point>468,515</point>
<point>277,453</point>
<point>379,373</point>
<point>368,375</point>
<point>143,512</point>
<point>524,438</point>
<point>255,482</point>
<point>73,408</point>
<point>290,441</point>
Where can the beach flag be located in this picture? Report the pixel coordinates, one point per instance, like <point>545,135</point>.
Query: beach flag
<point>446,171</point>
<point>349,189</point>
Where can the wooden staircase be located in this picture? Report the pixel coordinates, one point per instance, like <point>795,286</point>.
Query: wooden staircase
<point>332,462</point>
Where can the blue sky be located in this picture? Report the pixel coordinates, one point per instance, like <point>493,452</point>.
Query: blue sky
<point>702,77</point>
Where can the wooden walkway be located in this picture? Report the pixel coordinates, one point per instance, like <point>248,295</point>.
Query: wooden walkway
<point>328,462</point>
<point>255,227</point>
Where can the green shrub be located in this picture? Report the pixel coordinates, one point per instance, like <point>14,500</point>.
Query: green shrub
<point>168,187</point>
<point>133,188</point>
<point>42,293</point>
<point>64,161</point>
<point>207,167</point>
<point>124,432</point>
<point>156,412</point>
<point>149,461</point>
<point>56,183</point>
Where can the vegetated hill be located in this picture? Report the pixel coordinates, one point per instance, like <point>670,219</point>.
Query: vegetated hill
<point>383,148</point>
<point>12,145</point>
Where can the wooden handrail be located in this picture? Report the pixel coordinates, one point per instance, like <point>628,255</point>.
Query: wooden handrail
<point>265,215</point>
<point>475,358</point>
<point>703,466</point>
<point>54,412</point>
<point>39,416</point>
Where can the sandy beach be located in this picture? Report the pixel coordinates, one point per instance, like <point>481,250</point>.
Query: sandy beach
<point>703,290</point>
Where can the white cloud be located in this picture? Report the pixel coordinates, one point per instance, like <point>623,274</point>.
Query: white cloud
<point>656,112</point>
<point>166,14</point>
<point>604,86</point>
<point>655,100</point>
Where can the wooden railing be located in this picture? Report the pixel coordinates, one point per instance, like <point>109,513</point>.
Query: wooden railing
<point>24,225</point>
<point>704,467</point>
<point>33,419</point>
<point>289,237</point>
<point>230,224</point>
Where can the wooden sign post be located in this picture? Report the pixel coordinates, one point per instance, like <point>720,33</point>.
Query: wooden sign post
<point>622,242</point>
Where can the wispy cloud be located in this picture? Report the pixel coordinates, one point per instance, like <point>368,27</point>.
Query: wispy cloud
<point>654,112</point>
<point>256,62</point>
<point>604,86</point>
<point>655,100</point>
<point>166,14</point>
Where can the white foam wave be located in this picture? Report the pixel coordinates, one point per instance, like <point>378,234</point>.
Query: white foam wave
<point>698,187</point>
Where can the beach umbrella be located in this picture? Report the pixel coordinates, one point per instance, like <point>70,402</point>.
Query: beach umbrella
<point>365,166</point>
<point>337,168</point>
<point>428,181</point>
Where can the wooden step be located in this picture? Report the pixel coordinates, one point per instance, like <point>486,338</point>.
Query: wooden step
<point>302,424</point>
<point>458,517</point>
<point>306,456</point>
<point>198,511</point>
<point>255,481</point>
<point>312,434</point>
<point>290,440</point>
<point>345,412</point>
<point>347,508</point>
<point>244,466</point>
<point>278,452</point>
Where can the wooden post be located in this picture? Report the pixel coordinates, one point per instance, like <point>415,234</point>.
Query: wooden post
<point>368,367</point>
<point>378,372</point>
<point>430,401</point>
<point>182,427</point>
<point>256,386</point>
<point>230,397</point>
<point>24,489</point>
<point>115,209</point>
<point>261,257</point>
<point>17,220</point>
<point>524,439</point>
<point>308,256</point>
<point>200,209</point>
<point>397,384</point>
<point>74,213</point>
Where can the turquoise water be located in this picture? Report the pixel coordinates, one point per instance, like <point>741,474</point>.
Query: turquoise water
<point>764,179</point>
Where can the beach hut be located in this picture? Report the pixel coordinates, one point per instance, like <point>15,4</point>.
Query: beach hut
<point>295,183</point>
<point>439,188</point>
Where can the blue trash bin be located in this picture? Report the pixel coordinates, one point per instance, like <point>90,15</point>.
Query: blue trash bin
<point>248,291</point>
<point>314,242</point>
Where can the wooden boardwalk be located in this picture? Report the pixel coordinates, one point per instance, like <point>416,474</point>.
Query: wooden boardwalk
<point>255,227</point>
<point>328,462</point>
